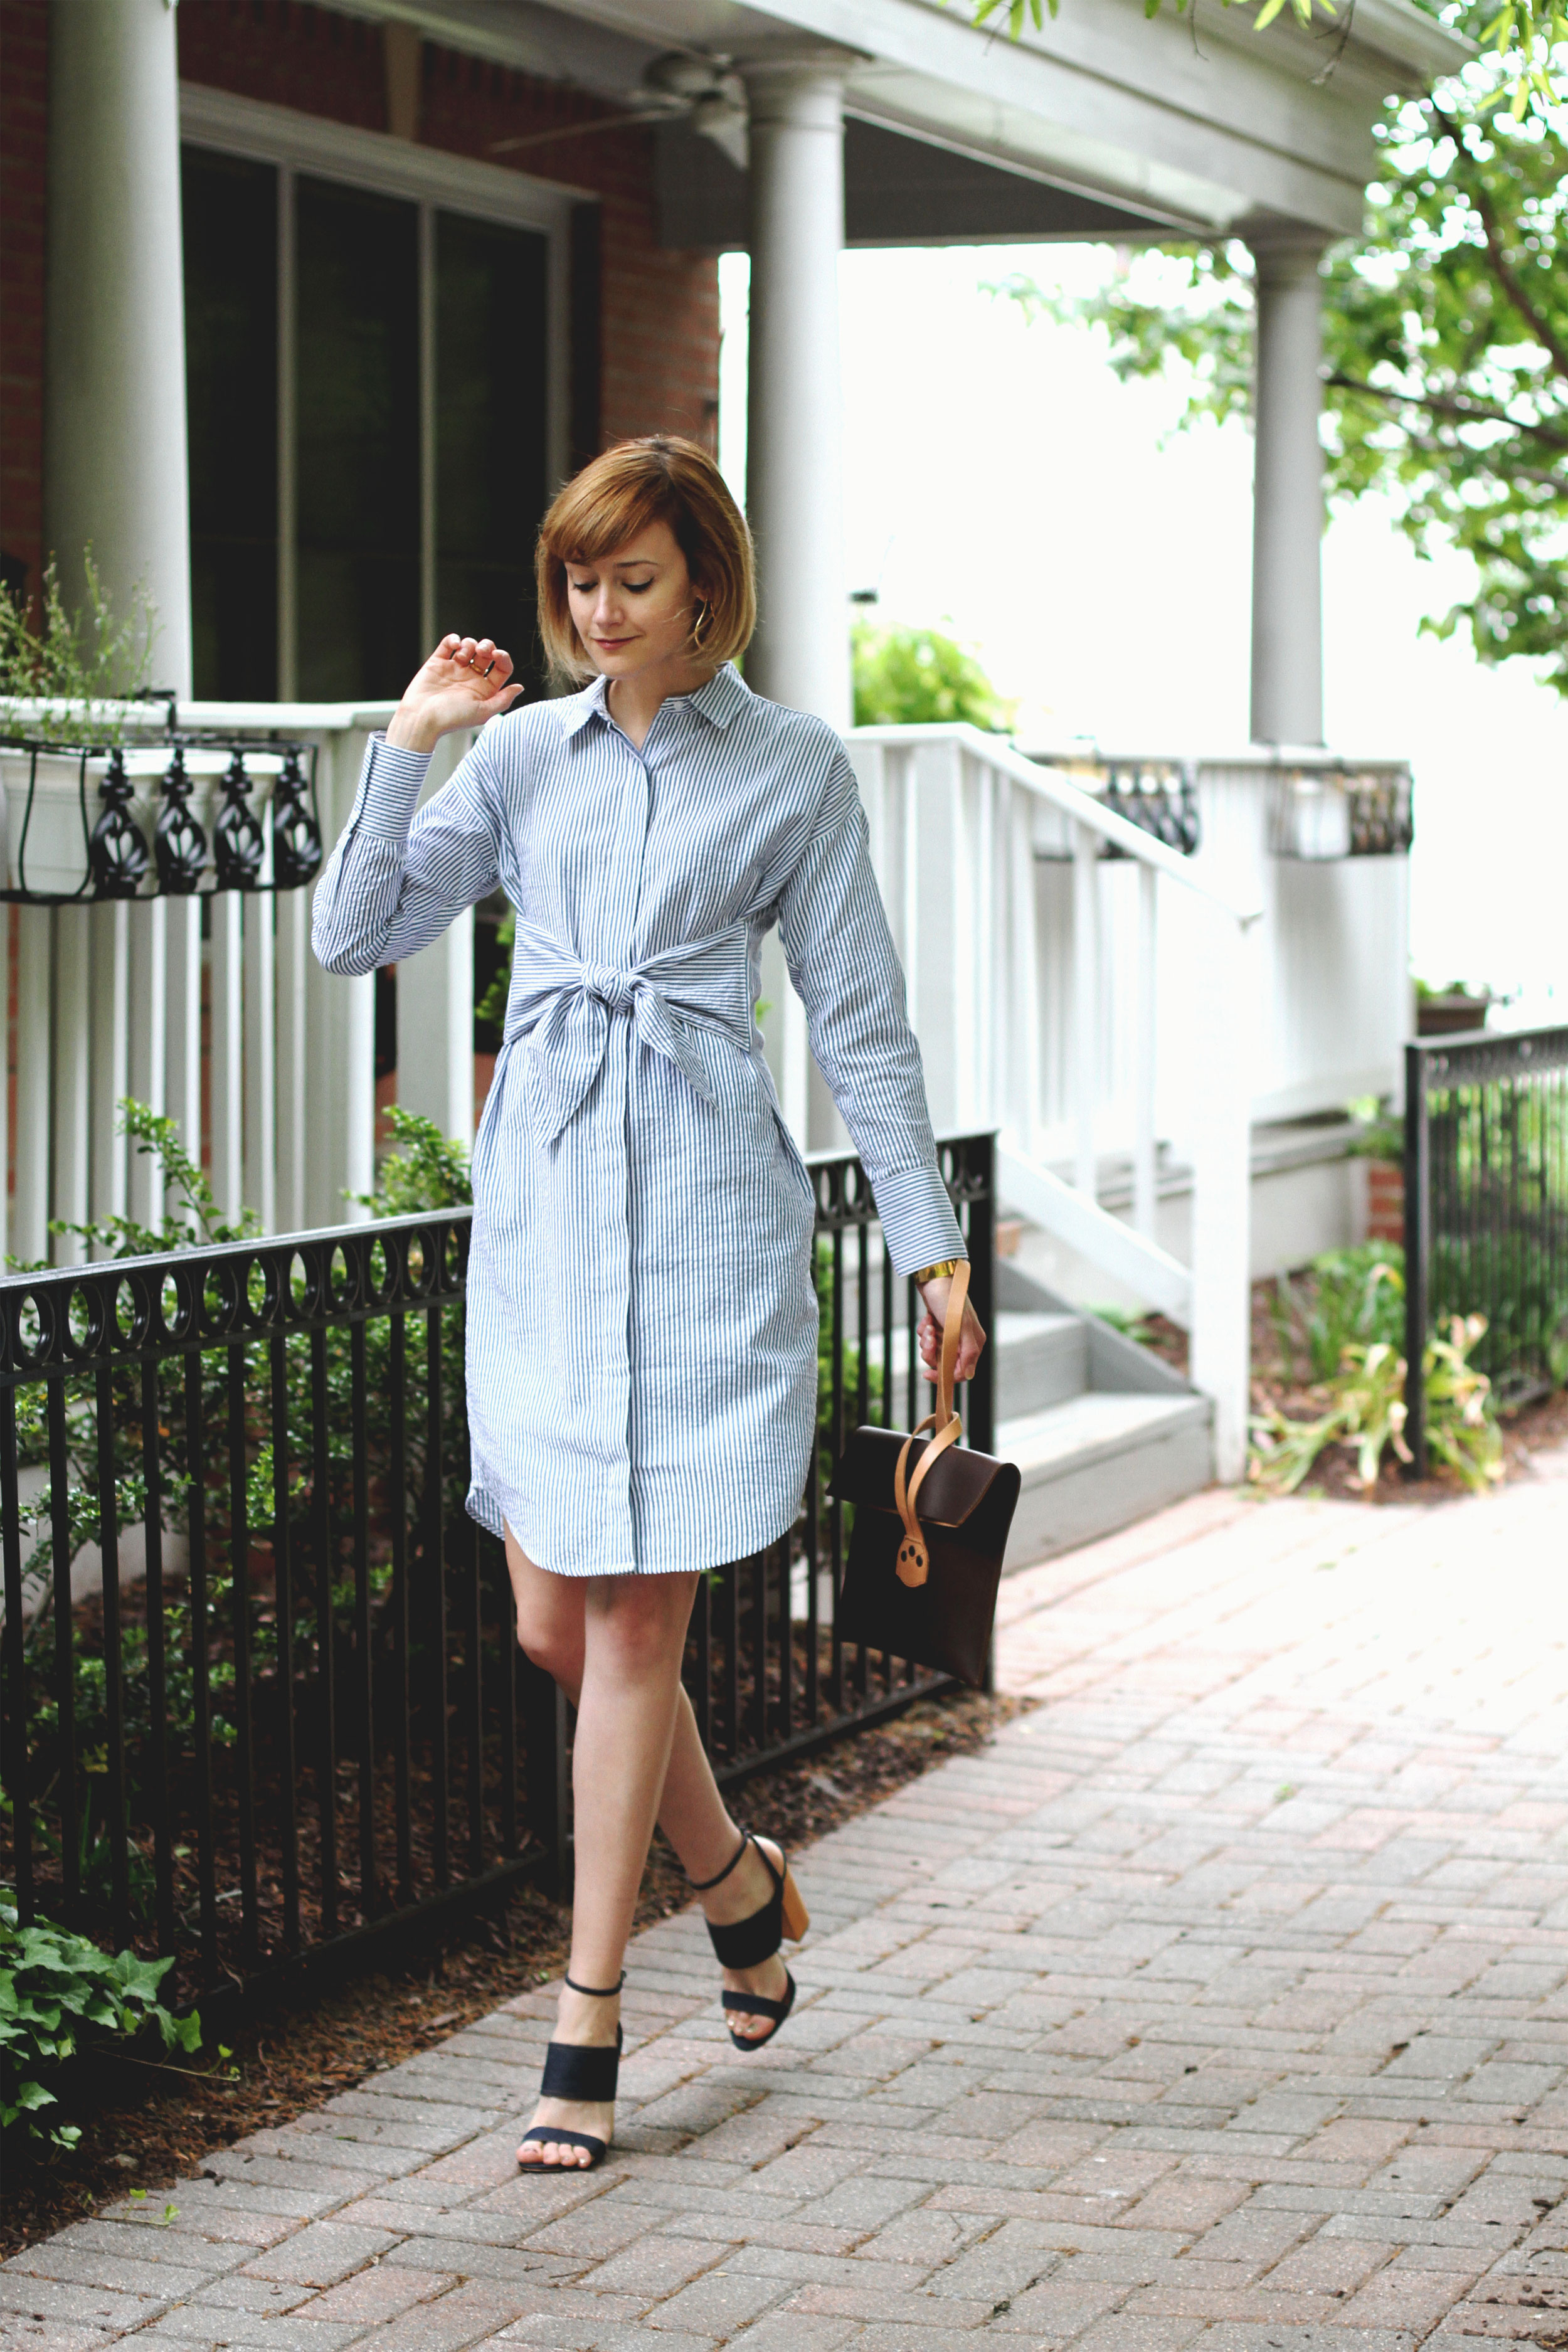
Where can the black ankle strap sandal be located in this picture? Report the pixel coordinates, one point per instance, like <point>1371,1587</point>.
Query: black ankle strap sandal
<point>747,1943</point>
<point>575,2070</point>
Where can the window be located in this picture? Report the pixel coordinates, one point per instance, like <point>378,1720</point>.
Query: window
<point>231,383</point>
<point>370,381</point>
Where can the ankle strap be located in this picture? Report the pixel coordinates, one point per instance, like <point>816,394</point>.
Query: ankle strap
<point>596,1993</point>
<point>701,1885</point>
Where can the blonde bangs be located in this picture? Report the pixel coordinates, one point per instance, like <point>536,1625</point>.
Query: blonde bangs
<point>661,480</point>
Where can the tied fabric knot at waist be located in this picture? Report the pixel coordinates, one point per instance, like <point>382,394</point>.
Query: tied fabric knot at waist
<point>562,1006</point>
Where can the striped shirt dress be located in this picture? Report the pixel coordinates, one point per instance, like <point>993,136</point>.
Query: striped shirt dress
<point>641,1314</point>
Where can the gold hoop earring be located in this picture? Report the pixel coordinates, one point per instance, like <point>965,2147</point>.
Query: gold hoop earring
<point>697,632</point>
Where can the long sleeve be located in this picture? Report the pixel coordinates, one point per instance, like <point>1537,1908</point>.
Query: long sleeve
<point>846,969</point>
<point>396,878</point>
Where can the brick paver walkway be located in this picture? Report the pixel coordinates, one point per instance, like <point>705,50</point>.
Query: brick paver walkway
<point>1223,2002</point>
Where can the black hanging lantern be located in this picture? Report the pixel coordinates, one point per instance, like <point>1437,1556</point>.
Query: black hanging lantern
<point>296,836</point>
<point>116,854</point>
<point>179,841</point>
<point>237,844</point>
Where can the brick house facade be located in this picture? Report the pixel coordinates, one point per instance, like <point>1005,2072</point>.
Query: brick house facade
<point>645,320</point>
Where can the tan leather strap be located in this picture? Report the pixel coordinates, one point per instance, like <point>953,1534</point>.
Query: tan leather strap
<point>914,1561</point>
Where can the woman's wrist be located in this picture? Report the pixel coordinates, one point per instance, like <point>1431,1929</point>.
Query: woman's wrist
<point>412,730</point>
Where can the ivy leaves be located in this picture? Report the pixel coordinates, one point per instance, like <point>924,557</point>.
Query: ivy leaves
<point>57,1992</point>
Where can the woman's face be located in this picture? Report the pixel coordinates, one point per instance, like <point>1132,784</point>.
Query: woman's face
<point>635,609</point>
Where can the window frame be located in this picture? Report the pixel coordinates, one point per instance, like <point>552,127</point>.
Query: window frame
<point>433,182</point>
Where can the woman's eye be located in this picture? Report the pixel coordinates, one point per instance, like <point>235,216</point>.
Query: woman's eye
<point>638,587</point>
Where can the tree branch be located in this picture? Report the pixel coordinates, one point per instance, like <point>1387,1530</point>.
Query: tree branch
<point>1469,412</point>
<point>1553,344</point>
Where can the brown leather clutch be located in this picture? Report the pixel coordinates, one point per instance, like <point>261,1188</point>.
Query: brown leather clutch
<point>931,1518</point>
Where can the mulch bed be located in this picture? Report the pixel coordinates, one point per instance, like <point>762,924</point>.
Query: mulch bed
<point>286,2060</point>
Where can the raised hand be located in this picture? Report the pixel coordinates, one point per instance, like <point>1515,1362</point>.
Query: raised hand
<point>466,681</point>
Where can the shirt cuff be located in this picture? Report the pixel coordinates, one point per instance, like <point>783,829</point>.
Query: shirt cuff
<point>918,1224</point>
<point>390,784</point>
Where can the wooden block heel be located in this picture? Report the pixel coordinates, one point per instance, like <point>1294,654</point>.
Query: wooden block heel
<point>796,1917</point>
<point>747,1943</point>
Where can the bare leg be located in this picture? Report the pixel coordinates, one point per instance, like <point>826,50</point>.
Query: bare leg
<point>634,1631</point>
<point>551,1623</point>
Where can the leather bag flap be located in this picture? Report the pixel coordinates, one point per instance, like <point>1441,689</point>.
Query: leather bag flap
<point>958,1482</point>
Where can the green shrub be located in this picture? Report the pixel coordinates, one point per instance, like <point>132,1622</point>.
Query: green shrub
<point>59,1994</point>
<point>1366,1411</point>
<point>90,660</point>
<point>910,678</point>
<point>1350,1298</point>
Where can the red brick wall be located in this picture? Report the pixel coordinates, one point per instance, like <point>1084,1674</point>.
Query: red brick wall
<point>659,310</point>
<point>1384,1201</point>
<point>24,54</point>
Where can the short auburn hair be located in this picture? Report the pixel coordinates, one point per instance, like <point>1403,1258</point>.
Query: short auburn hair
<point>662,479</point>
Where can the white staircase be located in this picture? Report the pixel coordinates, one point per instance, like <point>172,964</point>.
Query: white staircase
<point>1102,1431</point>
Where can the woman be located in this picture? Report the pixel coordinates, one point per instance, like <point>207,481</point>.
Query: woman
<point>641,1317</point>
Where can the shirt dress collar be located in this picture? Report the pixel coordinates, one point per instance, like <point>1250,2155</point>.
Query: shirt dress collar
<point>724,694</point>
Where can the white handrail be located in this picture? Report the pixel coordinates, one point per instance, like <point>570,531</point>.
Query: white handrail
<point>117,997</point>
<point>151,717</point>
<point>1080,806</point>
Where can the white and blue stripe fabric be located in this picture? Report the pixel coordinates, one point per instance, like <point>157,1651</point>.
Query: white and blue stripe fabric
<point>641,1316</point>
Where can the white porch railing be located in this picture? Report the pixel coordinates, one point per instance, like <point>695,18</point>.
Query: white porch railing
<point>1033,968</point>
<point>1114,1016</point>
<point>208,1008</point>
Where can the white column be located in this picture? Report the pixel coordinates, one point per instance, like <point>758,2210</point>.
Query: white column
<point>794,425</point>
<point>73,1072</point>
<point>114,440</point>
<point>339,1022</point>
<point>183,1067</point>
<point>35,959</point>
<point>436,1005</point>
<point>293,1150</point>
<point>110,1062</point>
<point>149,1043</point>
<point>1287,494</point>
<point>226,1053</point>
<point>260,1186</point>
<point>1220,1334</point>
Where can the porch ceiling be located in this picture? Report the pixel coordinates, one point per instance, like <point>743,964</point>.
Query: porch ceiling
<point>1109,124</point>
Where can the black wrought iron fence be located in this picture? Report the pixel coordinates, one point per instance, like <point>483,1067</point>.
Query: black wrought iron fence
<point>292,1715</point>
<point>1486,1208</point>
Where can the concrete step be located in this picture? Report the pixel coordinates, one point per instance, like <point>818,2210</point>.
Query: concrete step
<point>1100,1461</point>
<point>1042,1360</point>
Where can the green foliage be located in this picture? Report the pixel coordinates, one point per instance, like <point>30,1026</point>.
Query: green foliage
<point>1445,350</point>
<point>59,1994</point>
<point>192,1221</point>
<point>1525,36</point>
<point>1017,13</point>
<point>1131,1325</point>
<point>90,659</point>
<point>428,1170</point>
<point>1349,1326</point>
<point>1350,1298</point>
<point>910,677</point>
